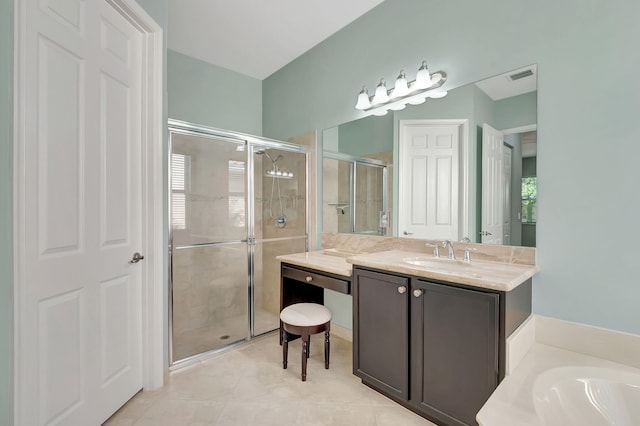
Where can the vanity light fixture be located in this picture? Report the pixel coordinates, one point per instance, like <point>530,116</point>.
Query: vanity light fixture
<point>403,93</point>
<point>382,95</point>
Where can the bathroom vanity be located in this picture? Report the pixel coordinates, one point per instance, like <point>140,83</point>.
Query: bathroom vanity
<point>429,333</point>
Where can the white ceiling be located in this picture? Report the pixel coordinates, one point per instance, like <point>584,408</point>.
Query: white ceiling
<point>256,37</point>
<point>502,86</point>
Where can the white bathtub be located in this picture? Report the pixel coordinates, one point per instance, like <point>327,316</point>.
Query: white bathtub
<point>587,396</point>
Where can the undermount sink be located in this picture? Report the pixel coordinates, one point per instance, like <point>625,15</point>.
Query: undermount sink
<point>587,396</point>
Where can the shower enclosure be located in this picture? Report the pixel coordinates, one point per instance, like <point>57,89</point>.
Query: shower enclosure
<point>354,194</point>
<point>236,202</point>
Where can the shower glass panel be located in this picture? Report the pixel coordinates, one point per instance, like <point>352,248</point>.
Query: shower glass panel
<point>209,243</point>
<point>369,199</point>
<point>336,192</point>
<point>209,298</point>
<point>280,227</point>
<point>236,202</point>
<point>354,191</point>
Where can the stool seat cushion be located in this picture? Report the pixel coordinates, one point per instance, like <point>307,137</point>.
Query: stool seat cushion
<point>305,314</point>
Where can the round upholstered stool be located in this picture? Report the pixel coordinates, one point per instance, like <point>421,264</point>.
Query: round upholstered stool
<point>305,319</point>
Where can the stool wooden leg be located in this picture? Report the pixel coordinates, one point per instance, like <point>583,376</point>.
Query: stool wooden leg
<point>309,347</point>
<point>326,350</point>
<point>285,349</point>
<point>305,351</point>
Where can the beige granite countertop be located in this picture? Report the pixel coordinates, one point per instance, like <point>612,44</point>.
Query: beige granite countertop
<point>332,261</point>
<point>491,275</point>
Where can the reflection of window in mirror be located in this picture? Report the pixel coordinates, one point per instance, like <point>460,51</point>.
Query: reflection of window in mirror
<point>180,186</point>
<point>529,194</point>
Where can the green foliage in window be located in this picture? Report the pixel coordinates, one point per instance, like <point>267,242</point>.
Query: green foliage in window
<point>529,195</point>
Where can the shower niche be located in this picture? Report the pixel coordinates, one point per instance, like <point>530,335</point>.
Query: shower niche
<point>235,203</point>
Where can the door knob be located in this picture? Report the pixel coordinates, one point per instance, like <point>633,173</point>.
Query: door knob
<point>417,293</point>
<point>407,233</point>
<point>485,233</point>
<point>137,257</point>
<point>402,289</point>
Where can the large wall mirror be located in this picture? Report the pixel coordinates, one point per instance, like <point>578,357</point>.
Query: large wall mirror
<point>463,166</point>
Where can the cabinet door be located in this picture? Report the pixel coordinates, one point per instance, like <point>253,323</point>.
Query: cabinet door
<point>380,332</point>
<point>454,350</point>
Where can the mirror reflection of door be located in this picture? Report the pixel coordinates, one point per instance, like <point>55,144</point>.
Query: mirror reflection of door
<point>493,177</point>
<point>508,186</point>
<point>429,187</point>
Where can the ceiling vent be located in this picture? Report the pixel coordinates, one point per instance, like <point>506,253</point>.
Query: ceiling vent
<point>521,74</point>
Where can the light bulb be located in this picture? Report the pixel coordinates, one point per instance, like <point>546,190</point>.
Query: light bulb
<point>381,95</point>
<point>397,106</point>
<point>423,78</point>
<point>438,94</point>
<point>401,88</point>
<point>363,99</point>
<point>418,100</point>
<point>380,112</point>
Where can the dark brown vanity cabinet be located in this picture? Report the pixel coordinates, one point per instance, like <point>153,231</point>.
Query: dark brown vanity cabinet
<point>435,347</point>
<point>381,340</point>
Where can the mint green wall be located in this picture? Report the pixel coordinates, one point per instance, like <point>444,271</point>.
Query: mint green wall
<point>6,212</point>
<point>572,42</point>
<point>516,111</point>
<point>366,136</point>
<point>205,94</point>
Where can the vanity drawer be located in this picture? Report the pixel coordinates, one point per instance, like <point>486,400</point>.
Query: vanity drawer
<point>317,279</point>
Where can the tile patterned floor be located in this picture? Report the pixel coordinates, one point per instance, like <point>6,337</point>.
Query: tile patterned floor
<point>248,386</point>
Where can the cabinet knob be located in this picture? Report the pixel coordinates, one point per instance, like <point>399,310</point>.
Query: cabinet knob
<point>402,289</point>
<point>309,278</point>
<point>417,293</point>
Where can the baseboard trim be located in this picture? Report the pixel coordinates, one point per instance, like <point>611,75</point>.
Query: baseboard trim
<point>342,332</point>
<point>612,345</point>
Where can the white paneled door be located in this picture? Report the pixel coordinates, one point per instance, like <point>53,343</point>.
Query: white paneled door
<point>81,311</point>
<point>492,185</point>
<point>429,180</point>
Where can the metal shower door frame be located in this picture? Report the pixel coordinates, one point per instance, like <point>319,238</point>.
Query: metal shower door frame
<point>251,144</point>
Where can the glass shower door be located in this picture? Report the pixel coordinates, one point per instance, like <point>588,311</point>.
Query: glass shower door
<point>210,258</point>
<point>280,226</point>
<point>368,198</point>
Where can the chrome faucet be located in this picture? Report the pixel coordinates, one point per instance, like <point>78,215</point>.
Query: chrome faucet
<point>447,243</point>
<point>436,253</point>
